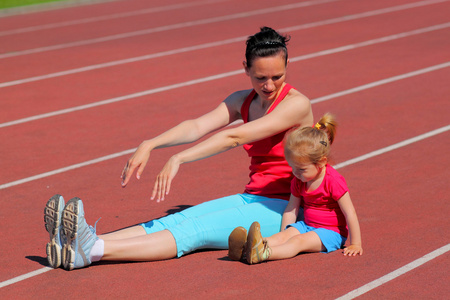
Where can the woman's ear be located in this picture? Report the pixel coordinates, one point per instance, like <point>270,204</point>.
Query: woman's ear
<point>247,71</point>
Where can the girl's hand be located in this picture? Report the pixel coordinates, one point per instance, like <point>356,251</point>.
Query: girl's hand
<point>164,179</point>
<point>138,160</point>
<point>353,250</point>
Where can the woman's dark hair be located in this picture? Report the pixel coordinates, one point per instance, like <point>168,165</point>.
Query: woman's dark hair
<point>267,42</point>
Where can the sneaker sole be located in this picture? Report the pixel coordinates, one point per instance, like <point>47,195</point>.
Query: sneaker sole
<point>52,219</point>
<point>70,228</point>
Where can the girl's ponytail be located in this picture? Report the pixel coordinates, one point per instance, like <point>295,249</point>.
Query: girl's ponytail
<point>328,124</point>
<point>311,144</point>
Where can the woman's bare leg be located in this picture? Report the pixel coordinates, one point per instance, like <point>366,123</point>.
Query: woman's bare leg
<point>125,233</point>
<point>148,247</point>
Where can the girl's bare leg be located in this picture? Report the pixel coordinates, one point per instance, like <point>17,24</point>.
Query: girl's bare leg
<point>281,237</point>
<point>307,242</point>
<point>148,247</point>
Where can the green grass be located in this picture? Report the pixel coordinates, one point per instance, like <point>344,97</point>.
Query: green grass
<point>17,3</point>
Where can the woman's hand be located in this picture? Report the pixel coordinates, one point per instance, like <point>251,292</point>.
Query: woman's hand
<point>353,250</point>
<point>164,179</point>
<point>138,160</point>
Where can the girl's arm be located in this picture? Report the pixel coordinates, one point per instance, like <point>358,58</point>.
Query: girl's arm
<point>346,205</point>
<point>291,212</point>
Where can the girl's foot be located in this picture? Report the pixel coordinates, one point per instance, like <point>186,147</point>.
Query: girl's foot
<point>52,218</point>
<point>258,249</point>
<point>237,243</point>
<point>80,236</point>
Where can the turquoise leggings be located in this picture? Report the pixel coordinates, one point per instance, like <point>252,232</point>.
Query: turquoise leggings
<point>209,224</point>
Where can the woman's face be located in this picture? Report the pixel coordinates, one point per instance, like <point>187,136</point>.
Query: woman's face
<point>267,75</point>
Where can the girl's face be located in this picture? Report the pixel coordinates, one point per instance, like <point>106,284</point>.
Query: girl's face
<point>306,172</point>
<point>267,75</point>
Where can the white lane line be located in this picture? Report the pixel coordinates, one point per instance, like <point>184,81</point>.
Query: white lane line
<point>388,277</point>
<point>393,147</point>
<point>122,98</point>
<point>366,14</point>
<point>123,61</point>
<point>24,276</point>
<point>380,82</point>
<point>65,169</point>
<point>384,39</point>
<point>109,17</point>
<point>352,294</point>
<point>221,43</point>
<point>270,10</point>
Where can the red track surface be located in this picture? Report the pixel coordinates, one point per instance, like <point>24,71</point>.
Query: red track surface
<point>401,196</point>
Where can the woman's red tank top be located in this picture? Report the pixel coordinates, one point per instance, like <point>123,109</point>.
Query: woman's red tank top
<point>270,175</point>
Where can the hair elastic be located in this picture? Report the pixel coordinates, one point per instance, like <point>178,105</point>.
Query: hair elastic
<point>269,43</point>
<point>318,126</point>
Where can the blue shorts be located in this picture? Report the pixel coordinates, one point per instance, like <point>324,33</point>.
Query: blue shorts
<point>209,224</point>
<point>330,239</point>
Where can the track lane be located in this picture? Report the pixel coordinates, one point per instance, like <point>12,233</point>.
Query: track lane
<point>92,185</point>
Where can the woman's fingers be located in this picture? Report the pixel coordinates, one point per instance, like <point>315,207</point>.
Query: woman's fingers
<point>137,161</point>
<point>164,180</point>
<point>127,172</point>
<point>124,176</point>
<point>141,169</point>
<point>161,187</point>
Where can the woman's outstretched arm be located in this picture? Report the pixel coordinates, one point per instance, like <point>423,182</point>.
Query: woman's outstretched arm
<point>295,111</point>
<point>186,132</point>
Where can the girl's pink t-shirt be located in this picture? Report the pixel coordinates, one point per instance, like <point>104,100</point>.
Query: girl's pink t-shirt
<point>321,207</point>
<point>270,174</point>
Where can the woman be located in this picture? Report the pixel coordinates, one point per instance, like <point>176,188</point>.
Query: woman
<point>268,110</point>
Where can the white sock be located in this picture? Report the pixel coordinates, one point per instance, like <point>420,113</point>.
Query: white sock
<point>97,250</point>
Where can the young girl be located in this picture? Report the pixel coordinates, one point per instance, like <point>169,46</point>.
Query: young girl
<point>323,194</point>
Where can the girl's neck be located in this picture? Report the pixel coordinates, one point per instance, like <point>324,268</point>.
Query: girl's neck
<point>317,181</point>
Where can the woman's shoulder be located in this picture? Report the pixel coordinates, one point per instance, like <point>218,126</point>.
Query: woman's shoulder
<point>237,98</point>
<point>296,95</point>
<point>240,95</point>
<point>296,106</point>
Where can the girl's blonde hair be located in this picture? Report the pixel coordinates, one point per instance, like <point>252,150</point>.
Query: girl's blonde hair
<point>311,144</point>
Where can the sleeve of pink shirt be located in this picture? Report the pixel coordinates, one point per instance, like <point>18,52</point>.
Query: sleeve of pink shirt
<point>337,186</point>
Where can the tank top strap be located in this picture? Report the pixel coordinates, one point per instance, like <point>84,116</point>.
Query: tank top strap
<point>246,106</point>
<point>287,87</point>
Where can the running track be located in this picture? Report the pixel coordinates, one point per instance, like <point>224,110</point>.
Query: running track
<point>81,87</point>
